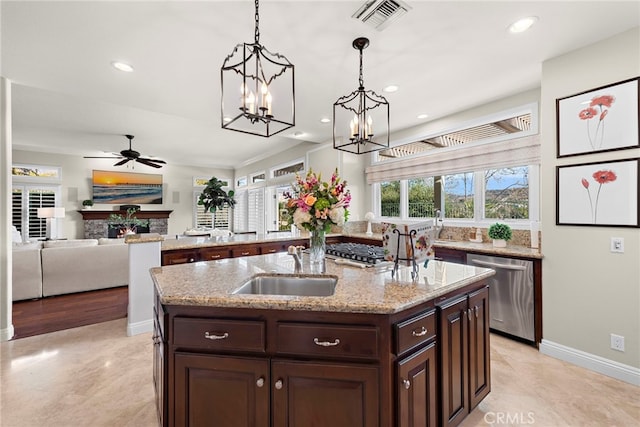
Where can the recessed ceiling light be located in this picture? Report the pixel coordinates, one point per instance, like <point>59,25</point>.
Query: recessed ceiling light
<point>298,134</point>
<point>423,116</point>
<point>523,24</point>
<point>390,88</point>
<point>227,119</point>
<point>325,120</point>
<point>122,66</point>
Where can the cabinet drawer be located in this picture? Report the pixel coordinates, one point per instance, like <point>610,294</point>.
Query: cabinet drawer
<point>327,340</point>
<point>218,334</point>
<point>272,248</point>
<point>245,251</point>
<point>415,331</point>
<point>211,254</point>
<point>179,257</point>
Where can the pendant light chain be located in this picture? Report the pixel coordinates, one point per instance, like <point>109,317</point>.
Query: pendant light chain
<point>257,35</point>
<point>361,79</point>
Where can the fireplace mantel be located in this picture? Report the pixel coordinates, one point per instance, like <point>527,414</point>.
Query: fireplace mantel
<point>96,225</point>
<point>92,214</point>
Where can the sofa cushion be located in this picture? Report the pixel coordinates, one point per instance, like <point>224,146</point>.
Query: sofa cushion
<point>73,243</point>
<point>28,246</point>
<point>26,281</point>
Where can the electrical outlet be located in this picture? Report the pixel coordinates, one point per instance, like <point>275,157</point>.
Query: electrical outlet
<point>617,342</point>
<point>617,244</point>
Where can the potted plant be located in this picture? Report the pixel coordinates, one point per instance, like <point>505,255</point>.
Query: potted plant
<point>500,233</point>
<point>128,223</point>
<point>213,197</point>
<point>87,204</point>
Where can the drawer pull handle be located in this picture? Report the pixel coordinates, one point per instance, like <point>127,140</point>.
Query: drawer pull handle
<point>316,341</point>
<point>476,310</point>
<point>191,259</point>
<point>407,384</point>
<point>244,253</point>
<point>214,337</point>
<point>215,256</point>
<point>260,382</point>
<point>278,385</point>
<point>423,331</point>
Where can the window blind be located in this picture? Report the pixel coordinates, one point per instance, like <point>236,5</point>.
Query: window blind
<point>255,217</point>
<point>509,153</point>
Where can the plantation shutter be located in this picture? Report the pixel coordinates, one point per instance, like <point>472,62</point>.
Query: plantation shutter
<point>205,219</point>
<point>26,199</point>
<point>255,212</point>
<point>240,211</point>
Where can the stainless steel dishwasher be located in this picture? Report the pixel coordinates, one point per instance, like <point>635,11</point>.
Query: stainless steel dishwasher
<point>511,296</point>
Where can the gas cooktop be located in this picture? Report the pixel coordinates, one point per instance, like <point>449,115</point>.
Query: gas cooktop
<point>368,254</point>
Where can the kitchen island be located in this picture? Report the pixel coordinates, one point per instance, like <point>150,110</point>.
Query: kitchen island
<point>380,351</point>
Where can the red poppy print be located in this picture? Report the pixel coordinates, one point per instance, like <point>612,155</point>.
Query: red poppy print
<point>588,114</point>
<point>603,101</point>
<point>598,108</point>
<point>601,177</point>
<point>605,176</point>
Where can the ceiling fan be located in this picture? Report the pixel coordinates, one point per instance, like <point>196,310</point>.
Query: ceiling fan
<point>128,155</point>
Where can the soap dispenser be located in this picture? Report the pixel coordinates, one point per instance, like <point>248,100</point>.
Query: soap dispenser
<point>478,235</point>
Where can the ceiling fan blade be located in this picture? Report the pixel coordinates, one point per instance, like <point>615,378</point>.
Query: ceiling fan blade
<point>122,162</point>
<point>148,163</point>
<point>153,160</point>
<point>90,157</point>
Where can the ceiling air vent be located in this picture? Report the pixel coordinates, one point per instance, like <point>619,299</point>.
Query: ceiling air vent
<point>379,14</point>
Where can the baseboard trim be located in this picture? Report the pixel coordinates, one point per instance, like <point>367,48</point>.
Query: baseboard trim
<point>7,333</point>
<point>139,327</point>
<point>613,369</point>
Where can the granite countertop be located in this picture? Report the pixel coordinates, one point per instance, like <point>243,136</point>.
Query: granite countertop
<point>488,248</point>
<point>188,242</point>
<point>359,290</point>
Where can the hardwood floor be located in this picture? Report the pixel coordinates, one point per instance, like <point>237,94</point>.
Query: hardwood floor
<point>35,317</point>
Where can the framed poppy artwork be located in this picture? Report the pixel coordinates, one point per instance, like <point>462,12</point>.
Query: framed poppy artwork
<point>601,119</point>
<point>598,194</point>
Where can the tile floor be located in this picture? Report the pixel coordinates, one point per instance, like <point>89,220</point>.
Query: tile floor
<point>97,376</point>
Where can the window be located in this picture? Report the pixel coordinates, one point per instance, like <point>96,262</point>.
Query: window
<point>288,169</point>
<point>204,219</point>
<point>259,177</point>
<point>458,195</point>
<point>240,220</point>
<point>506,193</point>
<point>390,199</point>
<point>26,199</point>
<point>241,182</point>
<point>421,198</point>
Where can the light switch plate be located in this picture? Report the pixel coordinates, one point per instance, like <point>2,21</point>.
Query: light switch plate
<point>617,244</point>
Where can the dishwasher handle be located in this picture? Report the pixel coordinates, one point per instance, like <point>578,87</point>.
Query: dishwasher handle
<point>497,265</point>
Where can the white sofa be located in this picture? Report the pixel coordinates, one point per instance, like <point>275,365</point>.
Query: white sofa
<point>67,266</point>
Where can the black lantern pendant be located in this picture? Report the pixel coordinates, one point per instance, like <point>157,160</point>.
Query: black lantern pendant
<point>361,119</point>
<point>258,95</point>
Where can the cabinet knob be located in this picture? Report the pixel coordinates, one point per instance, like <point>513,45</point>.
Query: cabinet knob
<point>214,337</point>
<point>316,341</point>
<point>260,382</point>
<point>191,259</point>
<point>244,253</point>
<point>406,384</point>
<point>419,333</point>
<point>278,385</point>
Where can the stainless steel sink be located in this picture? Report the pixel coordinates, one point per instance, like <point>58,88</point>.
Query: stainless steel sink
<point>298,285</point>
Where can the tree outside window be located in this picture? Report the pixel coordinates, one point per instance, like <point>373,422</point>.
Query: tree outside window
<point>458,195</point>
<point>421,198</point>
<point>390,199</point>
<point>507,193</point>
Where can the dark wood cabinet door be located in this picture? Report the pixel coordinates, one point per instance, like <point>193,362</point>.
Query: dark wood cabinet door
<point>479,366</point>
<point>180,257</point>
<point>212,254</point>
<point>221,391</point>
<point>315,394</point>
<point>454,361</point>
<point>417,389</point>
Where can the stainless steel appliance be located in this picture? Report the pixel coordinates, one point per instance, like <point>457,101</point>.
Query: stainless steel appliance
<point>511,296</point>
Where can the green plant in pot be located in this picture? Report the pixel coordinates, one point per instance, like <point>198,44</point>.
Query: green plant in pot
<point>214,197</point>
<point>128,223</point>
<point>87,204</point>
<point>500,233</point>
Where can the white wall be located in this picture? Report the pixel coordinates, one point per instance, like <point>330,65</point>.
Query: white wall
<point>588,292</point>
<point>76,186</point>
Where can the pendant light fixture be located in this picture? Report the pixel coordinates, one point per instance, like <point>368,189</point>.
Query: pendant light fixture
<point>258,95</point>
<point>355,116</point>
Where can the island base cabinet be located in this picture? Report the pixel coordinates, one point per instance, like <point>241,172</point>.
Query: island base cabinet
<point>323,394</point>
<point>417,389</point>
<point>479,366</point>
<point>221,391</point>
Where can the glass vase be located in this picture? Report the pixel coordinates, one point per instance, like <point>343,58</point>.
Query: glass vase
<point>317,246</point>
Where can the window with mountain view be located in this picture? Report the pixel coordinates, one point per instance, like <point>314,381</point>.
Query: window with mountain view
<point>506,194</point>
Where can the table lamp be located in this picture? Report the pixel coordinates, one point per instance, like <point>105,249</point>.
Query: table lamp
<point>50,214</point>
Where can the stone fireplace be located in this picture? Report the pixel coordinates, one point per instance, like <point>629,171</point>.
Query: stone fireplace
<point>96,225</point>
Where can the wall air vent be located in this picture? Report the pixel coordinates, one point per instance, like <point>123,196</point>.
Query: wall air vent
<point>379,14</point>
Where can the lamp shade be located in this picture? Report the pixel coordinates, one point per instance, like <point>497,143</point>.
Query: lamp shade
<point>50,212</point>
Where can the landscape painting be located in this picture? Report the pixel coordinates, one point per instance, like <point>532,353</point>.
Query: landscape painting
<point>127,187</point>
